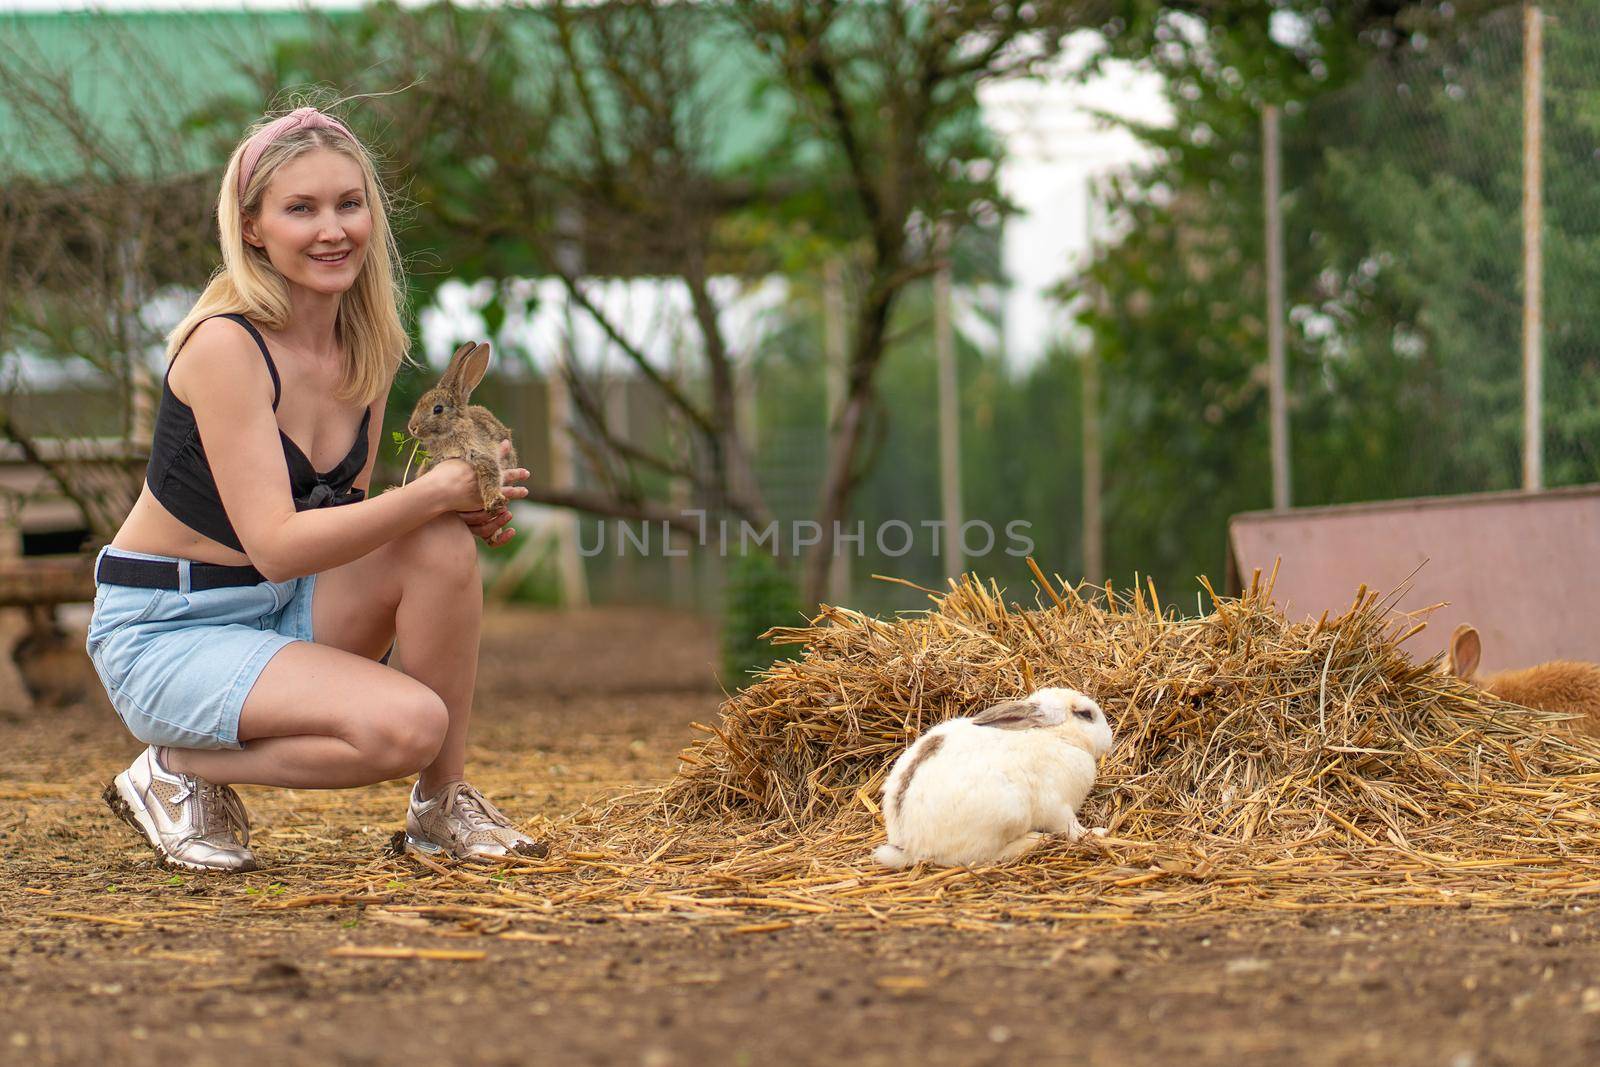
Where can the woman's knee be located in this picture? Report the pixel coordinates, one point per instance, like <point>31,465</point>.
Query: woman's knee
<point>406,734</point>
<point>443,544</point>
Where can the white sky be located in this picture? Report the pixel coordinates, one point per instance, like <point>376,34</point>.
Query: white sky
<point>1056,149</point>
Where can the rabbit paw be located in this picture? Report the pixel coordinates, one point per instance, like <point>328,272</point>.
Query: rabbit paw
<point>1077,831</point>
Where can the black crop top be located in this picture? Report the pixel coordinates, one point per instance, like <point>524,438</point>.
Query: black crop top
<point>180,477</point>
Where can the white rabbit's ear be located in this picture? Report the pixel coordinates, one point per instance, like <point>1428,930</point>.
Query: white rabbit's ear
<point>1465,650</point>
<point>1017,715</point>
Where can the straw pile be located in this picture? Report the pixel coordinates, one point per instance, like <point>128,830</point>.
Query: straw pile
<point>1234,727</point>
<point>1258,762</point>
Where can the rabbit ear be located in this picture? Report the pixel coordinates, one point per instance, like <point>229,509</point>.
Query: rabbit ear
<point>452,370</point>
<point>470,369</point>
<point>1465,650</point>
<point>1016,715</point>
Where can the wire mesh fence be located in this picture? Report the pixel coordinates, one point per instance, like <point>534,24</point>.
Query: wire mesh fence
<point>1410,216</point>
<point>1572,243</point>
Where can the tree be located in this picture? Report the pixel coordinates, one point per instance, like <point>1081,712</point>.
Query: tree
<point>590,142</point>
<point>887,92</point>
<point>92,225</point>
<point>1402,165</point>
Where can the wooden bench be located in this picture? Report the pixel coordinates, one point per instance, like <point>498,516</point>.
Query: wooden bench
<point>42,519</point>
<point>47,547</point>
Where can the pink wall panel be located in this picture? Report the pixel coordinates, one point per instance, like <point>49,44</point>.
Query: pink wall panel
<point>1524,568</point>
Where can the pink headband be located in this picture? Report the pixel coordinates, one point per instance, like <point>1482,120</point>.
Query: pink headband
<point>300,118</point>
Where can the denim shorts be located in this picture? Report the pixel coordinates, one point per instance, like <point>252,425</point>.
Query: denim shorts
<point>178,664</point>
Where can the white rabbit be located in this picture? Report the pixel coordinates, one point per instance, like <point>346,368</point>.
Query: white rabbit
<point>986,788</point>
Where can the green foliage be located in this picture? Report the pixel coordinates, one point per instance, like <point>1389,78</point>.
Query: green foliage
<point>1021,451</point>
<point>540,586</point>
<point>400,440</point>
<point>759,595</point>
<point>1402,171</point>
<point>1021,462</point>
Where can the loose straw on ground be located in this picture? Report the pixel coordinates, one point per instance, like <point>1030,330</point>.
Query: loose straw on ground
<point>1260,764</point>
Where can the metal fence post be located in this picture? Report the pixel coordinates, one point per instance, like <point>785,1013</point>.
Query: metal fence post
<point>836,371</point>
<point>1532,248</point>
<point>944,347</point>
<point>1277,387</point>
<point>1094,559</point>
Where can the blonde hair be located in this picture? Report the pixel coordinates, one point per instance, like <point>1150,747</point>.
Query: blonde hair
<point>368,326</point>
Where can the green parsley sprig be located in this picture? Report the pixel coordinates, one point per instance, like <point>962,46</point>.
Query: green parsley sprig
<point>400,440</point>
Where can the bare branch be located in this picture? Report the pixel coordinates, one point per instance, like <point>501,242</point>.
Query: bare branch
<point>576,70</point>
<point>667,388</point>
<point>594,417</point>
<point>58,473</point>
<point>614,507</point>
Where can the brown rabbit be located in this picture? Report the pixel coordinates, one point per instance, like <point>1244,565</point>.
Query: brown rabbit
<point>52,665</point>
<point>450,428</point>
<point>1560,685</point>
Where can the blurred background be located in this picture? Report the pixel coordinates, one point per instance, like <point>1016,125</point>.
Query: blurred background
<point>1081,280</point>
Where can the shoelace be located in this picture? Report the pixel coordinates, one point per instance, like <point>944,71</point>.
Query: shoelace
<point>218,804</point>
<point>476,809</point>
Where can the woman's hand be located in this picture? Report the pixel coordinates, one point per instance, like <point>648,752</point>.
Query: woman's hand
<point>454,485</point>
<point>491,525</point>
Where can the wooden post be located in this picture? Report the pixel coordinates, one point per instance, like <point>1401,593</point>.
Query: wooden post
<point>836,356</point>
<point>1094,553</point>
<point>1532,248</point>
<point>558,414</point>
<point>140,419</point>
<point>563,472</point>
<point>614,388</point>
<point>944,347</point>
<point>682,587</point>
<point>1277,386</point>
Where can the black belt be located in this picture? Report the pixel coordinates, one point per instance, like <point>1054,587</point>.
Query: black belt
<point>163,574</point>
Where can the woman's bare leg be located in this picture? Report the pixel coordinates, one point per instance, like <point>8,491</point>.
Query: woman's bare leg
<point>343,721</point>
<point>325,715</point>
<point>438,619</point>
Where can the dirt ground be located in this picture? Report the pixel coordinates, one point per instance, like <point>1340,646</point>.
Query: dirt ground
<point>107,958</point>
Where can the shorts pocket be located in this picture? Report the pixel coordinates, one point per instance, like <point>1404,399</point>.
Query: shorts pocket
<point>119,606</point>
<point>115,637</point>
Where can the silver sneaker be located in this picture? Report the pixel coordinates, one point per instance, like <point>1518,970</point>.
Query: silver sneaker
<point>191,823</point>
<point>461,824</point>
